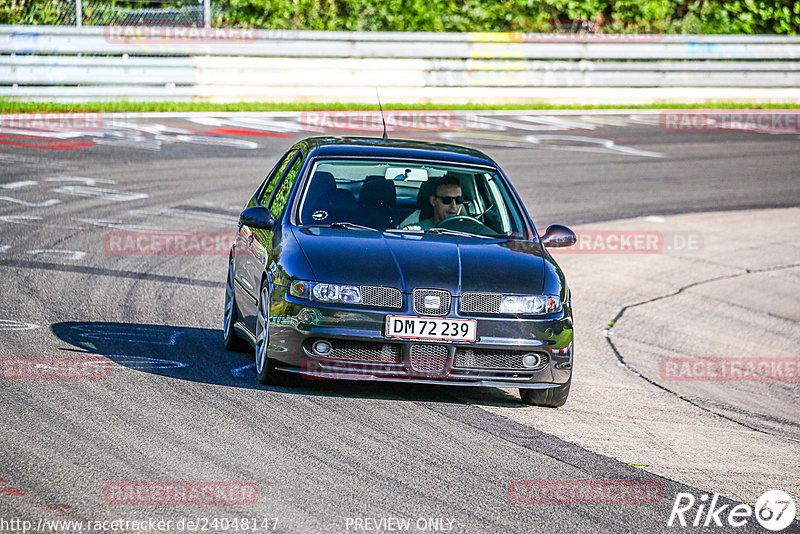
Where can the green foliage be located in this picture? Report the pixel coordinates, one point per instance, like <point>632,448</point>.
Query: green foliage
<point>607,16</point>
<point>660,16</point>
<point>746,16</point>
<point>35,12</point>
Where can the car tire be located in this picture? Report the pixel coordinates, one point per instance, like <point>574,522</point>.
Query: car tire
<point>265,366</point>
<point>551,398</point>
<point>231,316</point>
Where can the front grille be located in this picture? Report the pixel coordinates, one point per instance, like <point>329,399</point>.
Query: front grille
<point>429,358</point>
<point>497,359</point>
<point>443,298</point>
<point>381,297</point>
<point>480,303</point>
<point>365,351</point>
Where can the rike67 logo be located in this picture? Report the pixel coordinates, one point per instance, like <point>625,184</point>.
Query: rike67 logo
<point>774,510</point>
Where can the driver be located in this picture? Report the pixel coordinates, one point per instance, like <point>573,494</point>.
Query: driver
<point>446,201</point>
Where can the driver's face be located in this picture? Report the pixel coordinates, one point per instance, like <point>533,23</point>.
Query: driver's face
<point>440,209</point>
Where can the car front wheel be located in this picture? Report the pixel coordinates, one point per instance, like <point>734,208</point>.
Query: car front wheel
<point>264,365</point>
<point>551,398</point>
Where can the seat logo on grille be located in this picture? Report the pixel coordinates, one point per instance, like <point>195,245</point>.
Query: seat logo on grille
<point>432,302</point>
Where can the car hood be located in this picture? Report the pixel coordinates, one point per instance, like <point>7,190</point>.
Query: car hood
<point>409,261</point>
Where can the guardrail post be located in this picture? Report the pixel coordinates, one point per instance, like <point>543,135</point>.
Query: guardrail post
<point>78,13</point>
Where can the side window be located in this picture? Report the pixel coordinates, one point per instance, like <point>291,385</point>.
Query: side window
<point>274,178</point>
<point>285,188</point>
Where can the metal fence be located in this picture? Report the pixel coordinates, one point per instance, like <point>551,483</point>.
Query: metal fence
<point>200,13</point>
<point>223,64</point>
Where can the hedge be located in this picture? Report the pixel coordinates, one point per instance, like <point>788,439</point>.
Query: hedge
<point>601,16</point>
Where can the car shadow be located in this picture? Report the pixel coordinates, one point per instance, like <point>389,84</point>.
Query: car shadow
<point>197,355</point>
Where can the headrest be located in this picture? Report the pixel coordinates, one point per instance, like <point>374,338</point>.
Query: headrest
<point>378,191</point>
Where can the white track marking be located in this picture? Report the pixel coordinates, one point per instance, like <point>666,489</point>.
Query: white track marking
<point>86,181</point>
<point>605,120</point>
<point>153,128</point>
<point>45,204</point>
<point>230,207</point>
<point>98,192</point>
<point>238,372</point>
<point>12,325</point>
<point>117,225</point>
<point>216,141</point>
<point>505,125</point>
<point>44,133</point>
<point>140,142</point>
<point>20,219</point>
<point>18,185</point>
<point>146,335</point>
<point>209,217</point>
<point>35,220</point>
<point>74,255</point>
<point>573,143</point>
<point>592,144</point>
<point>254,123</point>
<point>649,120</point>
<point>144,363</point>
<point>559,123</point>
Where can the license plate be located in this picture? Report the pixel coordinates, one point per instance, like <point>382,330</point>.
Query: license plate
<point>400,326</point>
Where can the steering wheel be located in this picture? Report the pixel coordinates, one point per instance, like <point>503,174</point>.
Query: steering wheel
<point>465,223</point>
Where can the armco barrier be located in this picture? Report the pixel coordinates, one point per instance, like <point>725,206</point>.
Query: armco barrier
<point>108,63</point>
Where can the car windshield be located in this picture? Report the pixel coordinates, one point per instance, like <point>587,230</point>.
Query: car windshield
<point>409,197</point>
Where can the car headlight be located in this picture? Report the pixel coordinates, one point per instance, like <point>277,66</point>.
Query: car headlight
<point>324,292</point>
<point>530,304</point>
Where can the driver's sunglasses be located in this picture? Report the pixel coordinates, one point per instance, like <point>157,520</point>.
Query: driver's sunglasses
<point>449,200</point>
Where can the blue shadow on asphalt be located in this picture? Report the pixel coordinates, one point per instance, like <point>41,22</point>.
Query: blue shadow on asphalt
<point>197,355</point>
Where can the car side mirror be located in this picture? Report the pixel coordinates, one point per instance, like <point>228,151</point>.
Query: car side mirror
<point>558,236</point>
<point>257,217</point>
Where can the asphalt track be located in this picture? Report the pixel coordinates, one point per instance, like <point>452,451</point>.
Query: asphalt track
<point>176,407</point>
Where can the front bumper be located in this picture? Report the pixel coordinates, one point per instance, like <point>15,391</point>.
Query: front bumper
<point>362,352</point>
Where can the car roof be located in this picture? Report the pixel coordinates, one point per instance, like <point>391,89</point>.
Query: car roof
<point>394,148</point>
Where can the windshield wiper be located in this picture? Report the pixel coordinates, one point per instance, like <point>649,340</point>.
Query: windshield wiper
<point>403,231</point>
<point>352,226</point>
<point>447,231</point>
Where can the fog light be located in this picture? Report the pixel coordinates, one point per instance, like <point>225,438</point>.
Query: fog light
<point>530,360</point>
<point>321,348</point>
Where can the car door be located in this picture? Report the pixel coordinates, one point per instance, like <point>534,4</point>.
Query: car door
<point>268,244</point>
<point>249,266</point>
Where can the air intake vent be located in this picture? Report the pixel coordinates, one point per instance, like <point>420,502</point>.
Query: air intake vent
<point>480,303</point>
<point>364,351</point>
<point>429,358</point>
<point>498,359</point>
<point>381,297</point>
